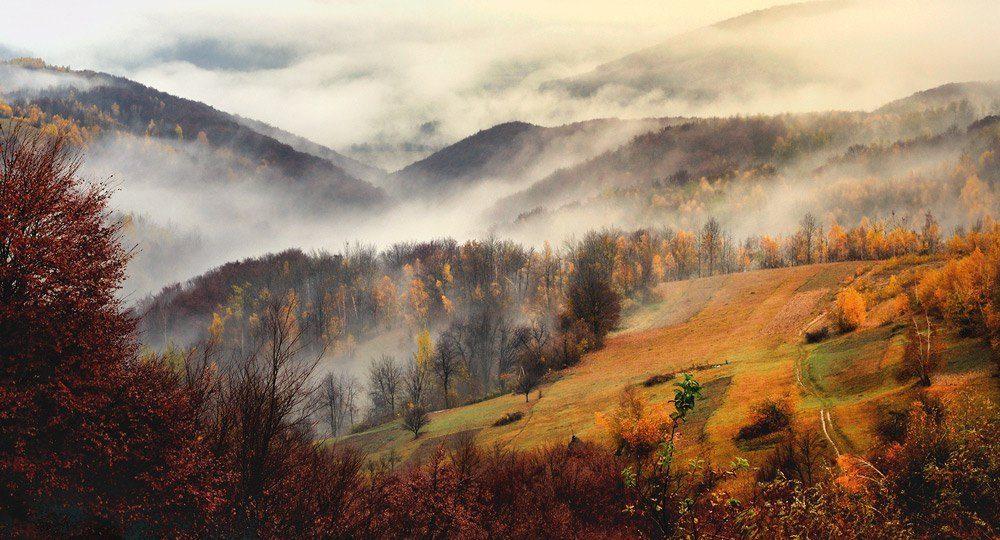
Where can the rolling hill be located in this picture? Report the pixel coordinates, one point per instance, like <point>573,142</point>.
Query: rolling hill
<point>742,337</point>
<point>514,152</point>
<point>675,157</point>
<point>99,103</point>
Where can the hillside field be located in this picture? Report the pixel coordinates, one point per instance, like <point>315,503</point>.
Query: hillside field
<point>742,336</point>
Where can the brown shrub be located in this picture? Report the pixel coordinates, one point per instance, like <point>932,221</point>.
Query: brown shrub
<point>768,417</point>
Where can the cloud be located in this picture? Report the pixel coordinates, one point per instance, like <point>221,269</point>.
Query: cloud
<point>374,78</point>
<point>17,79</point>
<point>214,54</point>
<point>366,74</point>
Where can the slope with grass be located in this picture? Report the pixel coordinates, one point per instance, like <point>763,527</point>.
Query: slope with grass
<point>742,335</point>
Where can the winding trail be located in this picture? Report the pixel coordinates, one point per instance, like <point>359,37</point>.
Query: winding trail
<point>825,419</point>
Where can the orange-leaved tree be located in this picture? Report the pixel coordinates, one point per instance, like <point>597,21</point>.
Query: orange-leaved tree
<point>850,309</point>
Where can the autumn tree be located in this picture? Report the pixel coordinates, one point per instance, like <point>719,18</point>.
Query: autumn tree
<point>590,295</point>
<point>93,440</point>
<point>850,310</point>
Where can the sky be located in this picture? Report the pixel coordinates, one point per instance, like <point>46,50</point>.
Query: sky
<point>357,72</point>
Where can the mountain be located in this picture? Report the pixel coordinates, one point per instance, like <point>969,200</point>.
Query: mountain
<point>727,148</point>
<point>980,97</point>
<point>355,168</point>
<point>517,151</point>
<point>726,60</point>
<point>88,104</point>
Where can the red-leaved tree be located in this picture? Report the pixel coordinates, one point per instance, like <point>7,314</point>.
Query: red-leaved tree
<point>92,439</point>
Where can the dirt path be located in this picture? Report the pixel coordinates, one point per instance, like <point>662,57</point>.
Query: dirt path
<point>825,419</point>
<point>823,422</point>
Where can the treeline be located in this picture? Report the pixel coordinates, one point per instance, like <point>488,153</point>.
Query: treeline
<point>484,317</point>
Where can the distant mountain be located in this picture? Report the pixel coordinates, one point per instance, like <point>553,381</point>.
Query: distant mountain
<point>355,168</point>
<point>712,148</point>
<point>517,151</point>
<point>982,98</point>
<point>674,154</point>
<point>726,60</point>
<point>93,103</point>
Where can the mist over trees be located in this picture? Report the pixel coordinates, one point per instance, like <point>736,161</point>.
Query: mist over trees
<point>220,406</point>
<point>218,432</point>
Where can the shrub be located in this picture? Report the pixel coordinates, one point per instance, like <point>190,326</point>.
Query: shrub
<point>892,422</point>
<point>817,335</point>
<point>802,456</point>
<point>944,474</point>
<point>659,379</point>
<point>636,427</point>
<point>509,418</point>
<point>850,310</point>
<point>768,417</point>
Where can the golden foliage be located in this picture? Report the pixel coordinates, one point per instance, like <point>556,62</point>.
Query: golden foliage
<point>850,310</point>
<point>636,427</point>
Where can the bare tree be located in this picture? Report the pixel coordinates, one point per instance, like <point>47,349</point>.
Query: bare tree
<point>415,381</point>
<point>338,401</point>
<point>710,244</point>
<point>415,418</point>
<point>532,367</point>
<point>445,364</point>
<point>930,235</point>
<point>922,353</point>
<point>384,380</point>
<point>264,403</point>
<point>807,228</point>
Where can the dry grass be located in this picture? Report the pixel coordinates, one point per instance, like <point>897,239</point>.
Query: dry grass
<point>750,323</point>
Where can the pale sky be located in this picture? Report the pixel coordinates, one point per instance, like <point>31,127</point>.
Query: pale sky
<point>344,72</point>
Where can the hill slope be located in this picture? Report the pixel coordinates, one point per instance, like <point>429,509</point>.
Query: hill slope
<point>518,151</point>
<point>709,63</point>
<point>741,335</point>
<point>668,162</point>
<point>95,103</point>
<point>355,168</point>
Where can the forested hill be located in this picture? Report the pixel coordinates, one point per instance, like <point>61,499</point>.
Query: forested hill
<point>517,151</point>
<point>355,168</point>
<point>662,169</point>
<point>85,104</point>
